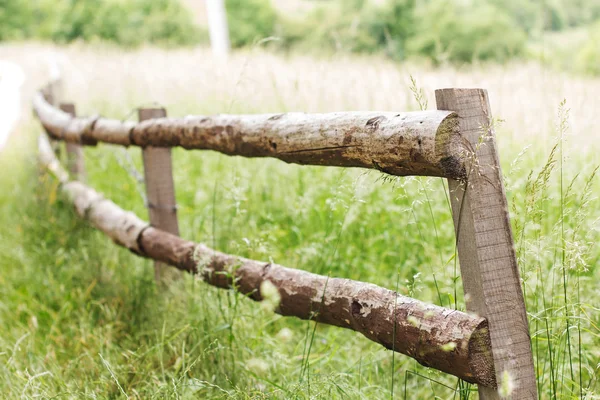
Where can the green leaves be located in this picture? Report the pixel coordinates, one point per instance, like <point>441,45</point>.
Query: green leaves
<point>128,22</point>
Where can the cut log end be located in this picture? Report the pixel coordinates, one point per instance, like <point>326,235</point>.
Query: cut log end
<point>450,148</point>
<point>480,356</point>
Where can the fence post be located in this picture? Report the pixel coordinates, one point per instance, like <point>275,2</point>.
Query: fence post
<point>160,191</point>
<point>75,160</point>
<point>52,92</point>
<point>485,245</point>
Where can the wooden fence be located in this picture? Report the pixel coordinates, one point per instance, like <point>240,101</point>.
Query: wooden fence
<point>488,345</point>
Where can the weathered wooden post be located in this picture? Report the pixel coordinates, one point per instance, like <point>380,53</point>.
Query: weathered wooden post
<point>485,244</point>
<point>75,160</point>
<point>52,93</point>
<point>160,190</point>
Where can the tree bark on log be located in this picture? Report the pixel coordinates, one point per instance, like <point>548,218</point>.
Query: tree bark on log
<point>425,143</point>
<point>437,337</point>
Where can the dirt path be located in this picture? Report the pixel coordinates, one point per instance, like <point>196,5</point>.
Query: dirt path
<point>11,80</point>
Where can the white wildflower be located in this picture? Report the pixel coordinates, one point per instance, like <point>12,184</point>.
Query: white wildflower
<point>270,296</point>
<point>285,335</point>
<point>258,366</point>
<point>507,385</point>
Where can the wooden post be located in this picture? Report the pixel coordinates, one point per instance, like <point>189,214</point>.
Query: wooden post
<point>52,94</point>
<point>160,190</point>
<point>75,160</point>
<point>486,251</point>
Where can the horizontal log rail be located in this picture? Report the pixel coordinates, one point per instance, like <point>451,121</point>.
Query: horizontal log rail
<point>425,143</point>
<point>451,341</point>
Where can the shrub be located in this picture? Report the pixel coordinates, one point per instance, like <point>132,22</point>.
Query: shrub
<point>587,59</point>
<point>451,32</point>
<point>331,28</point>
<point>165,21</point>
<point>126,22</point>
<point>15,19</point>
<point>250,21</point>
<point>390,25</point>
<point>353,26</point>
<point>436,30</point>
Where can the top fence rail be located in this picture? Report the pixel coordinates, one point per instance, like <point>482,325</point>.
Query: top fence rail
<point>426,143</point>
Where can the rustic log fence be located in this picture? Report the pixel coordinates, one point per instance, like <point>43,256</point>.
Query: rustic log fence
<point>486,346</point>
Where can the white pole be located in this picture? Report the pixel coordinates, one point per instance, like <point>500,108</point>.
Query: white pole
<point>218,28</point>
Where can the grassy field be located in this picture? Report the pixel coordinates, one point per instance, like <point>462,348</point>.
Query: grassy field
<point>81,318</point>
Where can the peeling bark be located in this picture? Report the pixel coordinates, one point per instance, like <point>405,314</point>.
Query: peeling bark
<point>437,337</point>
<point>448,340</point>
<point>426,143</point>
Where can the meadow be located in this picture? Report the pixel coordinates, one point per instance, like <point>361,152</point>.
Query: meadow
<point>81,318</point>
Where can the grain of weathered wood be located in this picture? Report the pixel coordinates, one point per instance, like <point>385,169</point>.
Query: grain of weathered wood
<point>160,189</point>
<point>75,159</point>
<point>448,340</point>
<point>485,245</point>
<point>413,143</point>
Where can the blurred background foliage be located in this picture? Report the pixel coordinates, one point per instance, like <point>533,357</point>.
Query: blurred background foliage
<point>562,33</point>
<point>125,22</point>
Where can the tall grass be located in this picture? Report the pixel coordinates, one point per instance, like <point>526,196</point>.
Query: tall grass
<point>82,318</point>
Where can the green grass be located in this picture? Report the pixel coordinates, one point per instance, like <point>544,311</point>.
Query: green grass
<point>82,318</point>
